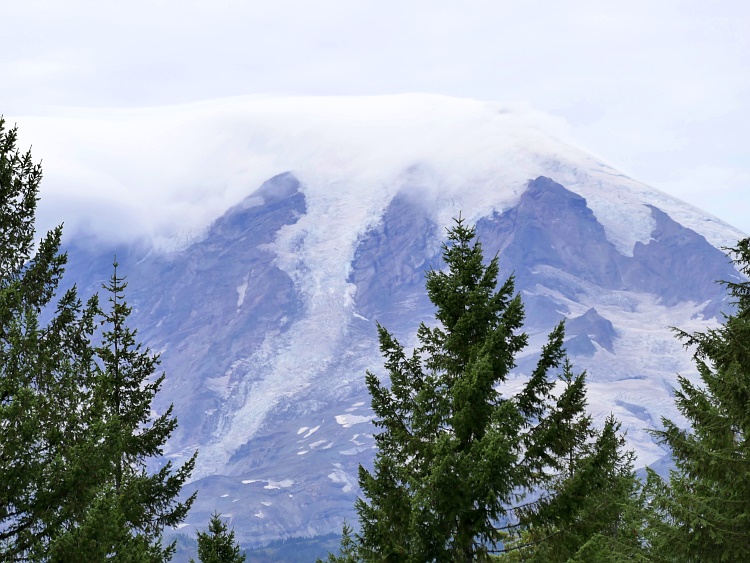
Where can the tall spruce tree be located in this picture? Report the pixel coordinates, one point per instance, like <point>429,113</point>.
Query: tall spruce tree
<point>703,512</point>
<point>131,506</point>
<point>455,452</point>
<point>44,445</point>
<point>217,544</point>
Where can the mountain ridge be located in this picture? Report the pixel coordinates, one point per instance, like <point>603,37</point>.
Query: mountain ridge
<point>265,350</point>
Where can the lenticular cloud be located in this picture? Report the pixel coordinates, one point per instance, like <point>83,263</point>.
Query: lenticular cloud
<point>164,173</point>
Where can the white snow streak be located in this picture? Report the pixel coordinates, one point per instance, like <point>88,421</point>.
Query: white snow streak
<point>340,476</point>
<point>283,484</point>
<point>348,420</point>
<point>241,290</point>
<point>312,431</point>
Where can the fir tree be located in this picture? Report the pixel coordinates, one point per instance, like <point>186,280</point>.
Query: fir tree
<point>591,512</point>
<point>703,512</point>
<point>130,507</point>
<point>454,452</point>
<point>348,548</point>
<point>218,545</point>
<point>45,449</point>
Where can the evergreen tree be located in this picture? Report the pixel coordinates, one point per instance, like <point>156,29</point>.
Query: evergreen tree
<point>348,548</point>
<point>609,507</point>
<point>592,510</point>
<point>130,507</point>
<point>218,545</point>
<point>44,446</point>
<point>75,418</point>
<point>454,452</point>
<point>703,512</point>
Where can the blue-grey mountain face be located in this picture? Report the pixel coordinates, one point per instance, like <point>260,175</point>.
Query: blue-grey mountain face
<point>553,228</point>
<point>390,262</point>
<point>265,362</point>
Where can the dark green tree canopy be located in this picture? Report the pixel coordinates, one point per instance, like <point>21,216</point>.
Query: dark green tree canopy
<point>129,506</point>
<point>217,544</point>
<point>456,453</point>
<point>44,398</point>
<point>703,512</point>
<point>75,419</point>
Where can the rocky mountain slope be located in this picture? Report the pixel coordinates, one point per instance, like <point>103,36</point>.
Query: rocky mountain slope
<point>265,322</point>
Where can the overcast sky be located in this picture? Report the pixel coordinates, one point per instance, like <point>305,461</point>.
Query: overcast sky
<point>659,89</point>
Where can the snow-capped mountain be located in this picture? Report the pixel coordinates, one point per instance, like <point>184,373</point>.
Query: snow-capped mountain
<point>265,319</point>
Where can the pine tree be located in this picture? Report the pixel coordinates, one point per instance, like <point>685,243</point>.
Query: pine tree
<point>703,512</point>
<point>454,452</point>
<point>218,545</point>
<point>44,446</point>
<point>130,507</point>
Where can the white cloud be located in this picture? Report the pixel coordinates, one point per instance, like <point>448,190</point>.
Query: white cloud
<point>160,171</point>
<point>634,79</point>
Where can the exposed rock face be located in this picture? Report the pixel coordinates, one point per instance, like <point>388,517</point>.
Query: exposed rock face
<point>553,229</point>
<point>265,361</point>
<point>585,330</point>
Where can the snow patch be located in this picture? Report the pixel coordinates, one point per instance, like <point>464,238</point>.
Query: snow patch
<point>312,431</point>
<point>340,476</point>
<point>241,290</point>
<point>348,420</point>
<point>283,484</point>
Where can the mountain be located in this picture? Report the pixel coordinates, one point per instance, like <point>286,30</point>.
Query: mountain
<point>266,319</point>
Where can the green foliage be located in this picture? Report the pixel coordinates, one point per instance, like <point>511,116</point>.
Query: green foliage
<point>75,417</point>
<point>129,506</point>
<point>45,451</point>
<point>347,548</point>
<point>455,452</point>
<point>218,545</point>
<point>592,511</point>
<point>703,512</point>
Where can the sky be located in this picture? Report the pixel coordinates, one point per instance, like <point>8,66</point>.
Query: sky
<point>660,90</point>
